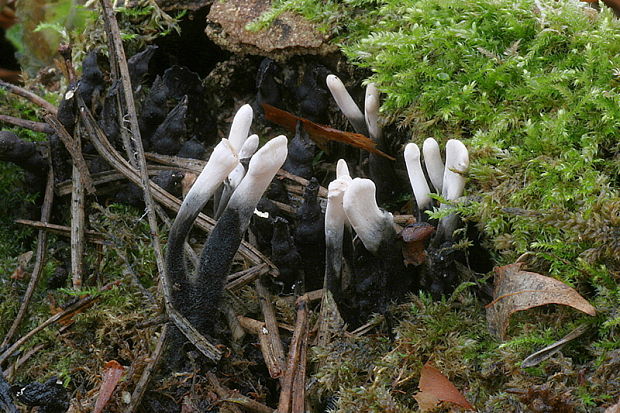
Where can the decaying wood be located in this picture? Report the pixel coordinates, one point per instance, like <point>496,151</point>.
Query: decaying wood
<point>92,236</point>
<point>292,395</point>
<point>46,211</point>
<point>78,223</point>
<point>274,349</point>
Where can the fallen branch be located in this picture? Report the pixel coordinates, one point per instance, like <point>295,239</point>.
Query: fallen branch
<point>27,124</point>
<point>92,236</point>
<point>292,395</point>
<point>273,350</point>
<point>19,91</point>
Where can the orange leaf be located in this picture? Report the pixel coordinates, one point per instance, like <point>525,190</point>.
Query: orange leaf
<point>517,290</point>
<point>111,375</point>
<point>436,388</point>
<point>321,134</point>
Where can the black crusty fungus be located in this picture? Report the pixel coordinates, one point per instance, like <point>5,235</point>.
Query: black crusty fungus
<point>67,109</point>
<point>180,82</point>
<point>91,82</point>
<point>154,108</point>
<point>108,119</point>
<point>310,236</point>
<point>192,149</point>
<point>138,66</point>
<point>60,159</point>
<point>166,139</point>
<point>6,398</point>
<point>24,154</point>
<point>261,224</point>
<point>301,151</point>
<point>312,94</point>
<point>285,256</point>
<point>268,88</point>
<point>50,397</point>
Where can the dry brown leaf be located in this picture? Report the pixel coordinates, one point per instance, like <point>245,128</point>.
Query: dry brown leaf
<point>111,375</point>
<point>436,388</point>
<point>321,134</point>
<point>517,290</point>
<point>22,262</point>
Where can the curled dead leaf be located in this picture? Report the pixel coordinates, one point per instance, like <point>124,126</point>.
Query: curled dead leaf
<point>321,134</point>
<point>436,388</point>
<point>517,290</point>
<point>414,237</point>
<point>22,262</point>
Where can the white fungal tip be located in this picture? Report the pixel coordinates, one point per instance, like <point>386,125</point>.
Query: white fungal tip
<point>240,127</point>
<point>433,162</point>
<point>346,104</point>
<point>371,111</point>
<point>371,224</point>
<point>342,170</point>
<point>457,163</point>
<point>272,154</point>
<point>249,147</point>
<point>416,176</point>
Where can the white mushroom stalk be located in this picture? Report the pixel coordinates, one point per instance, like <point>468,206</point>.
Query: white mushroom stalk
<point>371,112</point>
<point>235,177</point>
<point>335,219</point>
<point>417,179</point>
<point>372,225</point>
<point>222,161</point>
<point>434,164</point>
<point>346,104</point>
<point>457,163</point>
<point>227,234</point>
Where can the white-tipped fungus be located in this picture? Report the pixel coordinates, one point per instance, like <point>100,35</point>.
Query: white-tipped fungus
<point>346,104</point>
<point>371,224</point>
<point>419,185</point>
<point>240,127</point>
<point>433,162</point>
<point>261,170</point>
<point>457,163</point>
<point>371,112</point>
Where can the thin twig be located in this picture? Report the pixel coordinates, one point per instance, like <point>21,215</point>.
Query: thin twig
<point>92,236</point>
<point>83,302</point>
<point>30,96</point>
<point>78,222</point>
<point>241,278</point>
<point>140,389</point>
<point>27,124</point>
<point>273,351</point>
<point>233,396</point>
<point>46,211</point>
<point>21,360</point>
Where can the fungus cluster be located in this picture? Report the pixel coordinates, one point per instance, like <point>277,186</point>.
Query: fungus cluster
<point>197,295</point>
